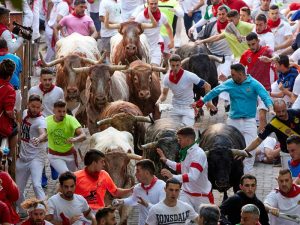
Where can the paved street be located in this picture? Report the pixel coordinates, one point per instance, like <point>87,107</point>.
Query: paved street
<point>265,173</point>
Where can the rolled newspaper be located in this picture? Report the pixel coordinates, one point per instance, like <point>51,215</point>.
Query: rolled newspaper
<point>294,218</point>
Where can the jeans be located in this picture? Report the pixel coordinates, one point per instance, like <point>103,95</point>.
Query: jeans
<point>95,18</point>
<point>188,21</point>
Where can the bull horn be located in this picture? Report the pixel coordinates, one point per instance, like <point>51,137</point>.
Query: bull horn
<point>185,60</point>
<point>143,119</point>
<point>217,59</point>
<point>237,152</point>
<point>52,63</point>
<point>81,69</point>
<point>149,145</point>
<point>148,25</point>
<point>206,153</point>
<point>113,26</point>
<point>105,121</point>
<point>134,156</point>
<point>114,68</point>
<point>159,69</point>
<point>90,61</point>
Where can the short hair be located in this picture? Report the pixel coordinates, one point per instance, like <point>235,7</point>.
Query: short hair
<point>247,176</point>
<point>246,9</point>
<point>4,11</point>
<point>261,17</point>
<point>7,68</point>
<point>251,36</point>
<point>284,171</point>
<point>34,97</point>
<point>147,164</point>
<point>46,71</point>
<point>274,7</point>
<point>93,155</point>
<point>223,7</point>
<point>279,101</point>
<point>210,214</point>
<point>173,181</point>
<point>59,104</point>
<point>284,60</point>
<point>66,176</point>
<point>293,139</point>
<point>102,213</point>
<point>250,208</point>
<point>233,13</point>
<point>78,2</point>
<point>3,43</point>
<point>238,67</point>
<point>187,131</point>
<point>174,58</point>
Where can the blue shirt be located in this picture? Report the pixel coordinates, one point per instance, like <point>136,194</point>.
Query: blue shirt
<point>294,170</point>
<point>243,97</point>
<point>288,78</point>
<point>15,80</point>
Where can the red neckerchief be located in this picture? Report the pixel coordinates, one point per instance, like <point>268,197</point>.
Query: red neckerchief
<point>295,163</point>
<point>175,79</point>
<point>273,24</point>
<point>3,51</point>
<point>29,115</point>
<point>69,4</point>
<point>76,15</point>
<point>295,190</point>
<point>214,9</point>
<point>4,28</point>
<point>155,14</point>
<point>46,91</point>
<point>221,26</point>
<point>264,31</point>
<point>150,186</point>
<point>94,175</point>
<point>30,222</point>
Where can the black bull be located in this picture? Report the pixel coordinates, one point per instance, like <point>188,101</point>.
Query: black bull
<point>201,64</point>
<point>223,170</point>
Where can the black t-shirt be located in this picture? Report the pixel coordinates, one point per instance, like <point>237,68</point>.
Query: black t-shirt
<point>293,122</point>
<point>296,43</point>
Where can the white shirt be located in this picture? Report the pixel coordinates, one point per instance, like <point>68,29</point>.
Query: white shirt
<point>285,205</point>
<point>155,195</point>
<point>58,205</point>
<point>48,99</point>
<point>153,33</point>
<point>114,10</point>
<point>188,5</point>
<point>94,8</point>
<point>182,91</point>
<point>281,32</point>
<point>128,7</point>
<point>59,8</point>
<point>192,171</point>
<point>296,91</point>
<point>30,129</point>
<point>266,39</point>
<point>161,214</point>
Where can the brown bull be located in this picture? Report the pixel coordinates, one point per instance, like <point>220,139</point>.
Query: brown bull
<point>103,85</point>
<point>144,86</point>
<point>125,116</point>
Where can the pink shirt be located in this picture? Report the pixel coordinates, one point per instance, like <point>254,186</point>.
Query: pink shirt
<point>79,25</point>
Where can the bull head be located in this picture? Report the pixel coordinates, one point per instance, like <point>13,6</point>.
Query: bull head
<point>211,57</point>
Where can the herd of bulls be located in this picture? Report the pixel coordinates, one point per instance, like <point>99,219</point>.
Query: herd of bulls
<point>114,101</point>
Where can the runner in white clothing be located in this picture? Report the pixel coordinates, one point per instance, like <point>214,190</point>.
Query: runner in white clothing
<point>192,170</point>
<point>153,33</point>
<point>148,192</point>
<point>68,208</point>
<point>181,84</point>
<point>171,210</point>
<point>284,199</point>
<point>32,154</point>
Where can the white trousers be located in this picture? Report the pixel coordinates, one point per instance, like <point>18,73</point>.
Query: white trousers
<point>26,168</point>
<point>193,201</point>
<point>183,114</point>
<point>249,130</point>
<point>155,54</point>
<point>50,51</point>
<point>62,163</point>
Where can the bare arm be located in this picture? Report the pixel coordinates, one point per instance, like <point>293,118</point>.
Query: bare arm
<point>163,96</point>
<point>287,51</point>
<point>79,136</point>
<point>120,192</point>
<point>93,32</point>
<point>288,41</point>
<point>213,38</point>
<point>90,216</point>
<point>199,4</point>
<point>170,34</point>
<point>206,87</point>
<point>254,144</point>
